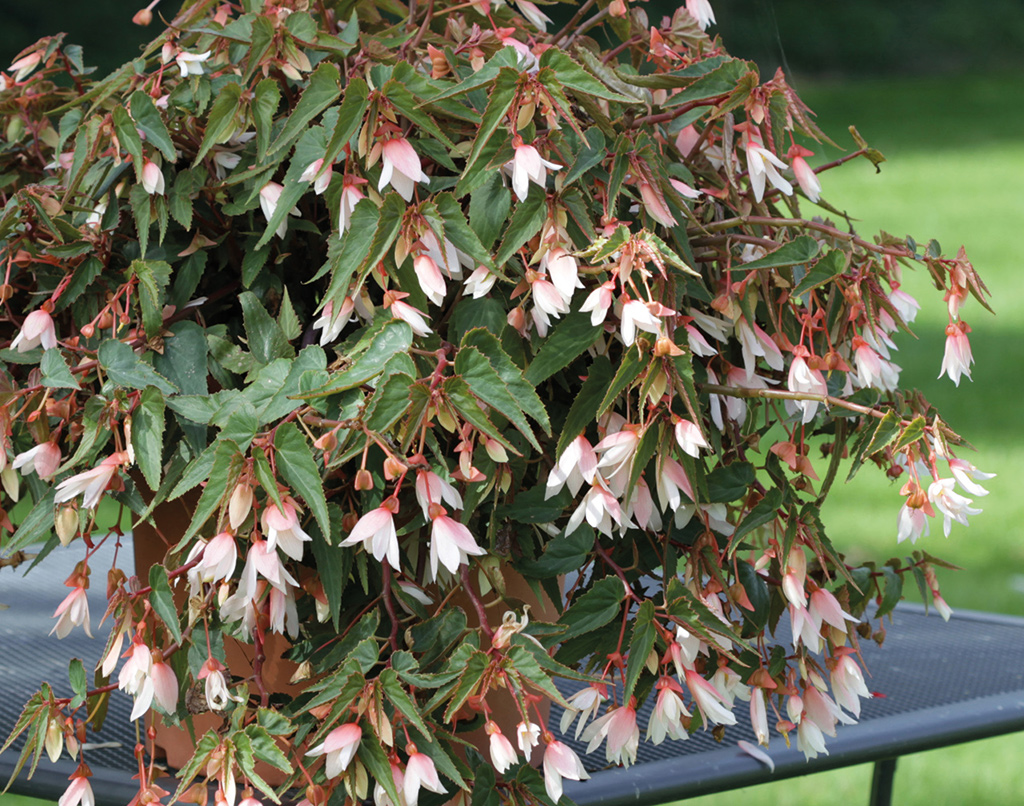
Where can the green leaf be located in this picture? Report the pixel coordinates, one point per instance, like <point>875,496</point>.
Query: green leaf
<point>571,337</point>
<point>287,320</point>
<point>488,209</point>
<point>355,245</point>
<point>79,684</point>
<point>56,372</point>
<point>221,123</point>
<point>886,432</point>
<point>458,231</point>
<point>294,459</point>
<point>162,600</point>
<point>141,204</point>
<point>525,393</point>
<point>126,369</point>
<point>153,278</point>
<point>264,747</point>
<point>584,409</point>
<point>892,591</point>
<point>502,94</point>
<point>720,81</point>
<point>402,701</point>
<point>911,434</point>
<point>274,722</point>
<point>394,337</point>
<point>148,435</point>
<point>801,249</point>
<point>526,222</point>
<point>640,646</point>
<point>264,106</point>
<point>266,341</point>
<point>593,153</point>
<point>526,662</point>
<point>457,392</point>
<point>184,358</point>
<point>292,191</point>
<point>562,555</point>
<point>377,764</point>
<point>128,137</point>
<point>730,482</point>
<point>571,75</point>
<point>469,681</point>
<point>147,117</point>
<point>389,402</point>
<point>224,473</point>
<point>757,592</point>
<point>350,117</point>
<point>632,365</point>
<point>486,384</point>
<point>595,608</point>
<point>321,91</point>
<point>763,512</point>
<point>392,212</point>
<point>825,270</point>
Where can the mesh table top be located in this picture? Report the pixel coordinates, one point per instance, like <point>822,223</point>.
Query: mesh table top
<point>937,684</point>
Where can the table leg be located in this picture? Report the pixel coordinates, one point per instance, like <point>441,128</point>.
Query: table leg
<point>881,782</point>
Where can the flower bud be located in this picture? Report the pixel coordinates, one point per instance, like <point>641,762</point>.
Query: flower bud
<point>65,522</point>
<point>10,482</point>
<point>393,468</point>
<point>364,481</point>
<point>240,505</point>
<point>143,17</point>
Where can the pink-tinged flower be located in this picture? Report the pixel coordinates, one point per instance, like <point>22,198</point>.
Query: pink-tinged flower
<point>224,162</point>
<point>912,523</point>
<point>599,301</point>
<point>805,176</point>
<point>762,164</point>
<point>563,270</point>
<point>527,737</point>
<point>152,178</point>
<point>577,464</point>
<point>380,795</point>
<point>561,762</point>
<point>420,772</point>
<point>804,380</point>
<point>701,11</point>
<point>952,505</point>
<point>217,694</point>
<point>191,64</point>
<point>318,175</point>
<point>709,700</point>
<point>666,718</point>
<point>689,437</point>
<point>528,166</point>
<point>643,315</point>
<point>617,450</point>
<point>432,489</point>
<point>451,543</point>
<point>378,527</point>
<point>503,755</point>
<point>654,204</point>
<point>270,196</point>
<point>759,715</point>
<point>957,359</point>
<point>795,577</point>
<point>755,342</point>
<point>906,306</point>
<point>220,555</point>
<point>672,485</point>
<point>340,747</point>
<point>642,508</point>
<point>685,190</point>
<point>546,295</point>
<point>406,312</point>
<point>803,629</point>
<point>821,709</point>
<point>430,278</point>
<point>43,459</point>
<point>400,168</point>
<point>963,471</point>
<point>92,483</point>
<point>619,727</point>
<point>809,739</point>
<point>25,65</point>
<point>480,282</point>
<point>585,703</point>
<point>134,676</point>
<point>848,681</point>
<point>825,608</point>
<point>537,18</point>
<point>600,508</point>
<point>686,139</point>
<point>351,195</point>
<point>165,685</point>
<point>284,616</point>
<point>78,793</point>
<point>72,612</point>
<point>239,505</point>
<point>37,330</point>
<point>283,530</point>
<point>331,322</point>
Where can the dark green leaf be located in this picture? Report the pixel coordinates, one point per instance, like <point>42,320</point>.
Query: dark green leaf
<point>526,222</point>
<point>56,372</point>
<point>264,107</point>
<point>892,591</point>
<point>266,341</point>
<point>632,365</point>
<point>148,435</point>
<point>730,482</point>
<point>595,608</point>
<point>147,117</point>
<point>825,270</point>
<point>458,231</point>
<point>640,646</point>
<point>571,75</point>
<point>128,137</point>
<point>502,94</point>
<point>469,681</point>
<point>79,685</point>
<point>394,337</point>
<point>126,369</point>
<point>402,701</point>
<point>526,395</point>
<point>801,249</point>
<point>488,209</point>
<point>296,464</point>
<point>484,382</point>
<point>457,392</point>
<point>571,337</point>
<point>720,81</point>
<point>757,592</point>
<point>562,555</point>
<point>593,153</point>
<point>350,117</point>
<point>184,358</point>
<point>222,121</point>
<point>224,473</point>
<point>153,278</point>
<point>389,402</point>
<point>763,512</point>
<point>321,91</point>
<point>585,407</point>
<point>163,600</point>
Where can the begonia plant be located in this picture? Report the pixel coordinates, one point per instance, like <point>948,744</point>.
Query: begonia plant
<point>406,301</point>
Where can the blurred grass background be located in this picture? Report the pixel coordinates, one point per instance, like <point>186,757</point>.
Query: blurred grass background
<point>955,172</point>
